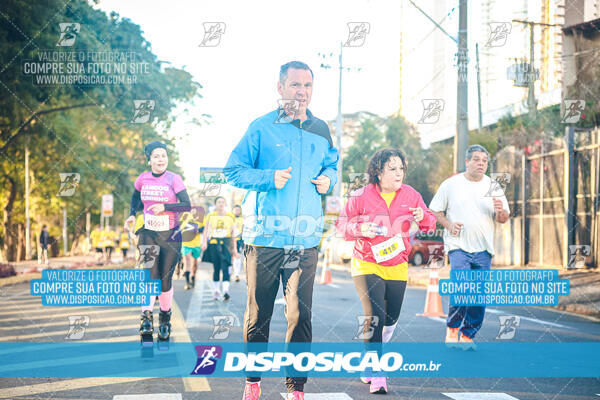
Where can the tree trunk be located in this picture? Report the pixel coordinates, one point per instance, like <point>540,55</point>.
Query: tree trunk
<point>20,245</point>
<point>8,228</point>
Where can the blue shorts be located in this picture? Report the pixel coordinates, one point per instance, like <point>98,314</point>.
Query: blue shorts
<point>196,251</point>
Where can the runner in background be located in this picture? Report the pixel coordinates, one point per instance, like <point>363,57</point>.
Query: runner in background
<point>110,238</point>
<point>192,227</point>
<point>124,243</point>
<point>239,222</point>
<point>378,218</point>
<point>95,238</point>
<point>161,194</point>
<point>44,243</point>
<point>464,207</point>
<point>218,245</point>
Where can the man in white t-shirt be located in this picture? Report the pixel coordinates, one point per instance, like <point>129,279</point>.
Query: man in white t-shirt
<point>464,206</point>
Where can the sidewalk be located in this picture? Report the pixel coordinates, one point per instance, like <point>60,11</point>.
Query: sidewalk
<point>28,270</point>
<point>584,297</point>
<point>58,262</point>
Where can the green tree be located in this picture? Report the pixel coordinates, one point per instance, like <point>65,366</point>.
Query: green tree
<point>71,127</point>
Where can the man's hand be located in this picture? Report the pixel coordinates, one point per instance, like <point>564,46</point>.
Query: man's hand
<point>455,228</point>
<point>322,183</point>
<point>501,214</point>
<point>417,213</point>
<point>281,177</point>
<point>497,205</point>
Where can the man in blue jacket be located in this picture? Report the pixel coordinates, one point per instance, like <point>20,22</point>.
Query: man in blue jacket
<point>287,161</point>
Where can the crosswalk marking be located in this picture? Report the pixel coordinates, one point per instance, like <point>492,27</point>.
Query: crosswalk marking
<point>133,326</point>
<point>70,384</point>
<point>323,396</point>
<point>153,396</point>
<point>56,315</point>
<point>39,309</point>
<point>63,322</point>
<point>180,334</point>
<point>479,396</point>
<point>538,321</point>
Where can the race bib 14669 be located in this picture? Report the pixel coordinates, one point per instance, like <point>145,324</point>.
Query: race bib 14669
<point>156,222</point>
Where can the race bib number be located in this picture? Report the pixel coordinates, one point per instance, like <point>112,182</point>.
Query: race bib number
<point>389,249</point>
<point>156,222</point>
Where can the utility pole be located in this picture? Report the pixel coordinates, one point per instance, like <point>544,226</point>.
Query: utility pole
<point>338,129</point>
<point>478,86</point>
<point>337,191</point>
<point>531,101</point>
<point>531,75</point>
<point>461,139</point>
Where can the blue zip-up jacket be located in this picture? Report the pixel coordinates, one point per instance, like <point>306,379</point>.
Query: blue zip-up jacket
<point>293,215</point>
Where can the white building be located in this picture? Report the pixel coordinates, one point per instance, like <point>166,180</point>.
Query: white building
<point>428,68</point>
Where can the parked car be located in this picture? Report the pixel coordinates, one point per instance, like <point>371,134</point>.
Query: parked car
<point>425,248</point>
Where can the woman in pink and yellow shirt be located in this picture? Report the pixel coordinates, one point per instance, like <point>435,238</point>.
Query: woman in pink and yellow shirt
<point>377,218</point>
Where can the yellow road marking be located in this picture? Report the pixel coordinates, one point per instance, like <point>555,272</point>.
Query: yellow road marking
<point>191,384</point>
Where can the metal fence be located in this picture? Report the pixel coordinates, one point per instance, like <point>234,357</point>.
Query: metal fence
<point>554,199</point>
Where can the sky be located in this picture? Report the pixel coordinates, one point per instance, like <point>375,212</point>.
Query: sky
<point>239,75</point>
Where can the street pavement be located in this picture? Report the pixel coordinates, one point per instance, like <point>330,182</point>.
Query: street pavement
<point>335,308</point>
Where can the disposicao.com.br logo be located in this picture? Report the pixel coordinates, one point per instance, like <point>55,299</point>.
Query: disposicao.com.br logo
<point>301,360</point>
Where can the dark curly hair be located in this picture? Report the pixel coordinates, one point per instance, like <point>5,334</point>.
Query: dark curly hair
<point>377,163</point>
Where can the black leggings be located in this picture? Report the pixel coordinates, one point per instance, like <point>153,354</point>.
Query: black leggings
<point>381,301</point>
<point>166,251</point>
<point>218,254</point>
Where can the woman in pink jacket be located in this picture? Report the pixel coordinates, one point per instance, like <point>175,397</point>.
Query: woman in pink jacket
<point>378,218</point>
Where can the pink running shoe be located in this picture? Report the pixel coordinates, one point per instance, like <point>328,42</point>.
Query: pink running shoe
<point>378,385</point>
<point>296,395</point>
<point>251,391</point>
<point>366,380</point>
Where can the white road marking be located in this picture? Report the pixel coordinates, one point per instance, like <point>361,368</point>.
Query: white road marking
<point>538,321</point>
<point>333,285</point>
<point>280,300</point>
<point>479,396</point>
<point>438,319</point>
<point>132,327</point>
<point>153,396</point>
<point>323,396</point>
<point>202,306</point>
<point>70,385</point>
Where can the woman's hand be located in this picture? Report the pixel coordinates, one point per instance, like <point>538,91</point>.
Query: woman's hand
<point>417,213</point>
<point>157,208</point>
<point>128,222</point>
<point>368,229</point>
